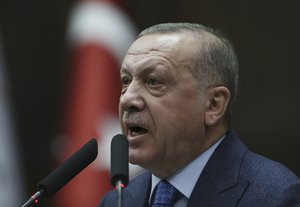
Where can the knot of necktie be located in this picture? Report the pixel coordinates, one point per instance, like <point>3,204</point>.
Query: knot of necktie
<point>165,195</point>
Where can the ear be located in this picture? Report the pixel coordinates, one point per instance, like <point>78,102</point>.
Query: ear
<point>217,103</point>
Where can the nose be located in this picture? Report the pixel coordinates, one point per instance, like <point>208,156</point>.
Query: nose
<point>132,99</point>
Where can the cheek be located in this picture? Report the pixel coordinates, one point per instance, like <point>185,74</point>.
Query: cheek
<point>169,119</point>
<point>120,120</point>
<point>173,111</point>
<point>177,117</point>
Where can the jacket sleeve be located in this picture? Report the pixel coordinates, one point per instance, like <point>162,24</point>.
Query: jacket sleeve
<point>290,197</point>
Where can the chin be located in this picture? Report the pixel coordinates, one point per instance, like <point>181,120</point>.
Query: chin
<point>137,157</point>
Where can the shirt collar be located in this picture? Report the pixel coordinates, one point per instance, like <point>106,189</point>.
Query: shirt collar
<point>185,179</point>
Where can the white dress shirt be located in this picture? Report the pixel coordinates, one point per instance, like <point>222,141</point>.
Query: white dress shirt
<point>186,178</point>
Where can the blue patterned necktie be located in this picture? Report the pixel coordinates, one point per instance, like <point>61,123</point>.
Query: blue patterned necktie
<point>165,195</point>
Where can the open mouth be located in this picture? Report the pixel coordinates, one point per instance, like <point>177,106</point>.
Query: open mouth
<point>137,130</point>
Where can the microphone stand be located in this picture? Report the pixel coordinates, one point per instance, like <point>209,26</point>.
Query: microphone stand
<point>33,199</point>
<point>119,186</point>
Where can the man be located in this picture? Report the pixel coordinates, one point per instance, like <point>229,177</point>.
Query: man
<point>179,82</point>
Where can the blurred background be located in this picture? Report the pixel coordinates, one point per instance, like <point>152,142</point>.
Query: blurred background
<point>59,65</point>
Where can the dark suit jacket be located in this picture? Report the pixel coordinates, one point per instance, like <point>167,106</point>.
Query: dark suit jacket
<point>233,176</point>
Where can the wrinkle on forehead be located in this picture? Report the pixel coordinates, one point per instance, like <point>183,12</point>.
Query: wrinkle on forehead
<point>154,57</point>
<point>171,48</point>
<point>147,61</point>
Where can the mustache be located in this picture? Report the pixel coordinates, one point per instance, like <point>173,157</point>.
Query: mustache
<point>134,118</point>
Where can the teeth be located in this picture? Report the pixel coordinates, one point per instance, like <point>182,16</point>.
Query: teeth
<point>136,130</point>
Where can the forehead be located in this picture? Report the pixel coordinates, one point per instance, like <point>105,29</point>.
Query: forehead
<point>170,49</point>
<point>155,42</point>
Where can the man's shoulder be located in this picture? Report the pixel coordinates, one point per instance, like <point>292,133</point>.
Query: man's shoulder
<point>235,170</point>
<point>269,182</point>
<point>263,171</point>
<point>252,166</point>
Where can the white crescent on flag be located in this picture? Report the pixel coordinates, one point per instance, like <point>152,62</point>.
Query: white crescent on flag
<point>103,23</point>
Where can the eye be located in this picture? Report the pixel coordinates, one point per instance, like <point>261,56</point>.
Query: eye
<point>125,80</point>
<point>152,81</point>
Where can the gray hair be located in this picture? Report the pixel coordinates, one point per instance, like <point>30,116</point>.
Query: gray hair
<point>215,62</point>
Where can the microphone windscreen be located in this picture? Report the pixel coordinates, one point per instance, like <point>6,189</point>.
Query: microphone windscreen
<point>119,160</point>
<point>69,169</point>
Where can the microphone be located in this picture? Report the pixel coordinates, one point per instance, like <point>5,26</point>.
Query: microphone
<point>65,172</point>
<point>119,160</point>
<point>119,164</point>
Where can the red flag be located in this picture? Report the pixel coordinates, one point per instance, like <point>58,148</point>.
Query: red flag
<point>100,34</point>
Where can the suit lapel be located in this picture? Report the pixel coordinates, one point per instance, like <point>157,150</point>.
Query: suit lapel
<point>219,183</point>
<point>138,196</point>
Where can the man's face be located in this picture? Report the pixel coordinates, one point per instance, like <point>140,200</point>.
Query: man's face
<point>160,110</point>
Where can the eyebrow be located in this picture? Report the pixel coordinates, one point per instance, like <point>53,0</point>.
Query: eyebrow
<point>146,70</point>
<point>123,70</point>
